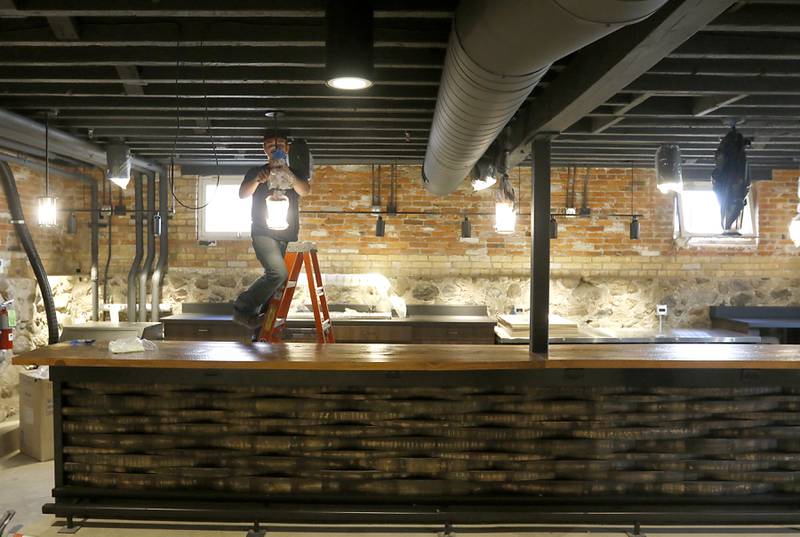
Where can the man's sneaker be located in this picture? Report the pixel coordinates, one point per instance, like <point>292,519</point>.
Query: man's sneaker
<point>247,320</point>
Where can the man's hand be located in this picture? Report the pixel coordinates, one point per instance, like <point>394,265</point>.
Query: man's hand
<point>263,175</point>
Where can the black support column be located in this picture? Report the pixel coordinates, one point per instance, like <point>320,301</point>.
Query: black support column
<point>540,244</point>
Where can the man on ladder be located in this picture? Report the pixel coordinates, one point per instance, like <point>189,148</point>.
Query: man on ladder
<point>276,189</point>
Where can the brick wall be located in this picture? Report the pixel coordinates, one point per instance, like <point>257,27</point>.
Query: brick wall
<point>431,245</point>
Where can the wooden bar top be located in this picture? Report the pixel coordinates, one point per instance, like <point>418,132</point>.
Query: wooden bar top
<point>383,357</point>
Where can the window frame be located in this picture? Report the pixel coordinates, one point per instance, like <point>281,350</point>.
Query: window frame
<point>682,235</point>
<point>203,235</point>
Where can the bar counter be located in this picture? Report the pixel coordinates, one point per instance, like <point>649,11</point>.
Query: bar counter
<point>393,357</point>
<point>368,433</point>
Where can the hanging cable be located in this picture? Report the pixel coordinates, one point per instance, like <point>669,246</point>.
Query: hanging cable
<point>171,174</point>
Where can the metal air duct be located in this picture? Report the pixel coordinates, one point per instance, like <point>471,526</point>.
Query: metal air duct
<point>498,52</point>
<point>147,266</point>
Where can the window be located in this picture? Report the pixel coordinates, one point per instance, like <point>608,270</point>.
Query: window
<point>226,216</point>
<point>697,218</point>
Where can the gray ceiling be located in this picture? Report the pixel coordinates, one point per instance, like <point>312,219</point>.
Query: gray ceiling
<point>108,74</point>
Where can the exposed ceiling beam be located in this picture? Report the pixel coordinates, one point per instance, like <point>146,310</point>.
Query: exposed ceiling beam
<point>601,124</point>
<point>752,47</point>
<point>196,75</point>
<point>254,104</point>
<point>64,28</point>
<point>224,32</point>
<point>705,84</point>
<point>726,67</point>
<point>705,105</point>
<point>211,55</point>
<point>129,75</point>
<point>231,8</point>
<point>759,18</point>
<point>599,71</point>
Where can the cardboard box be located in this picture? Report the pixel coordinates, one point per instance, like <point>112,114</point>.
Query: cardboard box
<point>36,414</point>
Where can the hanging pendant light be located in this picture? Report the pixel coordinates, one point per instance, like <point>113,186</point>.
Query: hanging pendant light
<point>277,211</point>
<point>48,210</point>
<point>505,207</point>
<point>634,225</point>
<point>669,172</point>
<point>349,43</point>
<point>634,228</point>
<point>118,159</point>
<point>72,224</point>
<point>48,205</point>
<point>466,228</point>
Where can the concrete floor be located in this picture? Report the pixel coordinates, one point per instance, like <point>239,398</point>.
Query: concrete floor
<point>25,485</point>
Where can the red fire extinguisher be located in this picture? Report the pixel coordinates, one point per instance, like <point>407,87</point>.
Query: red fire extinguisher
<point>7,322</point>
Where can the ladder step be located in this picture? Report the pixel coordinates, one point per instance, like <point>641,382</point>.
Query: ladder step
<point>290,284</point>
<point>326,324</point>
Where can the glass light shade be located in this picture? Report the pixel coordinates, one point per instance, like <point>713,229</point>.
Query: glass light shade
<point>505,217</point>
<point>277,211</point>
<point>483,183</point>
<point>669,171</point>
<point>48,209</point>
<point>118,158</point>
<point>794,229</point>
<point>350,83</point>
<point>121,182</point>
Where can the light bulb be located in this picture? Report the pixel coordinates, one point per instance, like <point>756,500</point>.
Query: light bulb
<point>277,211</point>
<point>505,217</point>
<point>350,83</point>
<point>48,210</point>
<point>794,229</point>
<point>483,183</point>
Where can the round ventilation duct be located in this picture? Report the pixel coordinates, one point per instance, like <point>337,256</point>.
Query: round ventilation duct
<point>498,52</point>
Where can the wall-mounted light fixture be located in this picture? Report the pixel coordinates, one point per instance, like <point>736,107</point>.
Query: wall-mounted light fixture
<point>669,171</point>
<point>380,227</point>
<point>505,207</point>
<point>466,228</point>
<point>794,225</point>
<point>349,59</point>
<point>48,205</point>
<point>553,227</point>
<point>118,159</point>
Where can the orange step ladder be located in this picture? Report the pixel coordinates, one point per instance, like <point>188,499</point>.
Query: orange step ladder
<point>297,255</point>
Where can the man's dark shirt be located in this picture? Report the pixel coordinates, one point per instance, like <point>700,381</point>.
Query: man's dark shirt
<point>258,212</point>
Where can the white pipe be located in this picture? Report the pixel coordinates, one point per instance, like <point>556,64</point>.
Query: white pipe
<point>498,52</point>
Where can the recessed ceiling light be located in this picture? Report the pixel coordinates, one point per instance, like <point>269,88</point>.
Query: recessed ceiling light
<point>349,83</point>
<point>349,44</point>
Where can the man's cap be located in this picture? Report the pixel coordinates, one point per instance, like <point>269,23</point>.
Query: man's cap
<point>276,133</point>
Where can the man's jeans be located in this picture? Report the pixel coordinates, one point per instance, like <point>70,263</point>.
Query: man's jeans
<point>270,254</point>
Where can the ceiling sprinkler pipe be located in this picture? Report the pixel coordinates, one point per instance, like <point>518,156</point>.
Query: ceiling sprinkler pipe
<point>498,52</point>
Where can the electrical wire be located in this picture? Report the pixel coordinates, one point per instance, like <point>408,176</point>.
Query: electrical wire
<point>171,174</point>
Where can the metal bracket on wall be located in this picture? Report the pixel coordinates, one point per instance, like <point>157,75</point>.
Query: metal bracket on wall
<point>637,531</point>
<point>256,531</point>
